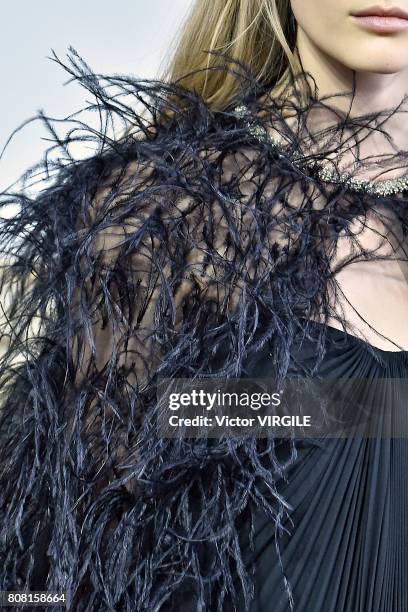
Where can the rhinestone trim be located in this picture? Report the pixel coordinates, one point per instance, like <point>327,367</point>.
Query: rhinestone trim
<point>381,187</point>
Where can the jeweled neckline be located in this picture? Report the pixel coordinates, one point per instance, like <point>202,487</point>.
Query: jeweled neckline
<point>380,187</point>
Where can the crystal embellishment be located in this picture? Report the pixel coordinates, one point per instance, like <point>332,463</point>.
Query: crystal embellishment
<point>381,187</point>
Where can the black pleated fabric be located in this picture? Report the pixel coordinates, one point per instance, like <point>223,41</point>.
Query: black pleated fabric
<point>346,549</point>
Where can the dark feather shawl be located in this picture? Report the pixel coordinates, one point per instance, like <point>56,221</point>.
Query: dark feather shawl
<point>177,251</point>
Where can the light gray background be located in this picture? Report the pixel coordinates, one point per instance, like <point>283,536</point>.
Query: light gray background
<point>127,36</point>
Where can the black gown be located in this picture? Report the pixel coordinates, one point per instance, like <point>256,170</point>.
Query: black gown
<point>346,548</point>
<point>189,237</point>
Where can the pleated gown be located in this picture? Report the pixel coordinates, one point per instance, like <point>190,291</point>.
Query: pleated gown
<point>346,549</point>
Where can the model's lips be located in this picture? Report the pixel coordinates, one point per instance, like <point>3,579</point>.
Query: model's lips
<point>379,11</point>
<point>382,20</point>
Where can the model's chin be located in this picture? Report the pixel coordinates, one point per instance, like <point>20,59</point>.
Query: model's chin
<point>373,59</point>
<point>381,67</point>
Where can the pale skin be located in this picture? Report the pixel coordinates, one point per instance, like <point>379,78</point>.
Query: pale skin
<point>333,47</point>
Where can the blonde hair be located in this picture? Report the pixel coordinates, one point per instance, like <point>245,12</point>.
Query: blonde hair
<point>260,33</point>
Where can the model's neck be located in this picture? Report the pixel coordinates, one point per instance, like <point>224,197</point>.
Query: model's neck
<point>374,92</point>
